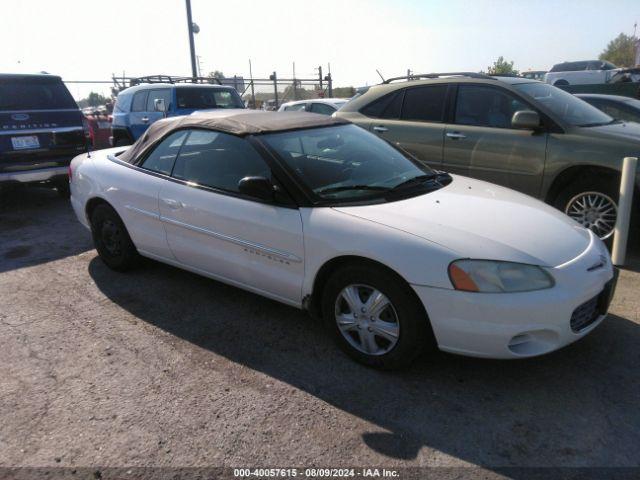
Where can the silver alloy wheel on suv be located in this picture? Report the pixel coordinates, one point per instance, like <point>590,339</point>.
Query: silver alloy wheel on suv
<point>595,211</point>
<point>367,319</point>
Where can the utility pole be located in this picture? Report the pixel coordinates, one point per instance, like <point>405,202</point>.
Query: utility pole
<point>320,75</point>
<point>192,46</point>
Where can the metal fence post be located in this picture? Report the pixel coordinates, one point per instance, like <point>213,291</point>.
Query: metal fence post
<point>619,250</point>
<point>330,85</point>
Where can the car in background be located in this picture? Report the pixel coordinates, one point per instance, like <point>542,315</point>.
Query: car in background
<point>269,105</point>
<point>625,109</point>
<point>41,130</point>
<point>99,122</point>
<point>319,214</point>
<point>581,73</point>
<point>138,107</point>
<point>534,74</point>
<point>323,106</point>
<point>519,133</point>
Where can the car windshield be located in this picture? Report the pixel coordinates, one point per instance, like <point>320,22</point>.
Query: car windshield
<point>570,109</point>
<point>348,163</point>
<point>205,98</point>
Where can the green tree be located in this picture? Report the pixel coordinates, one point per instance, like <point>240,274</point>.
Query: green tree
<point>216,74</point>
<point>92,100</point>
<point>620,51</point>
<point>501,67</point>
<point>344,92</point>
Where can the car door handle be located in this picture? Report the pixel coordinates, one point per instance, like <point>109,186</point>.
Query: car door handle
<point>456,135</point>
<point>144,119</point>
<point>380,129</point>
<point>171,203</point>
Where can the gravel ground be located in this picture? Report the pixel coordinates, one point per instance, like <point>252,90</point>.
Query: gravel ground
<point>160,367</point>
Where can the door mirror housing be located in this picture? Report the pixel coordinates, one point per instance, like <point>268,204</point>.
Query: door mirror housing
<point>525,120</point>
<point>159,105</point>
<point>257,187</point>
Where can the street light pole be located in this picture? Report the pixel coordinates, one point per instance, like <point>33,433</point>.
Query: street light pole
<point>192,46</point>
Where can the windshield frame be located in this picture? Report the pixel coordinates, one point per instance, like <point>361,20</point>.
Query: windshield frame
<point>312,199</point>
<point>521,87</point>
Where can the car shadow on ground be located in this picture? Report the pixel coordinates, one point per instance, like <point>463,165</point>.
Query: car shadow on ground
<point>37,226</point>
<point>575,407</point>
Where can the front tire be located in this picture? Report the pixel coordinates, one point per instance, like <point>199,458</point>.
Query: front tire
<point>375,318</point>
<point>112,240</point>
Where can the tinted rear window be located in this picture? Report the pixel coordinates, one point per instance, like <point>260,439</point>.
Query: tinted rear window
<point>570,67</point>
<point>24,93</point>
<point>204,98</point>
<point>424,103</point>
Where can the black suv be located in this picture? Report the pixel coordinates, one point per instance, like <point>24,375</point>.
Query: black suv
<point>41,130</point>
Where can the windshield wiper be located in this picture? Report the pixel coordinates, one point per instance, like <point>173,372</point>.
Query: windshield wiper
<point>599,124</point>
<point>345,188</point>
<point>414,181</point>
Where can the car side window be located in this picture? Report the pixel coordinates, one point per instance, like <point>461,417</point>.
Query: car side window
<point>486,106</point>
<point>139,102</point>
<point>218,160</point>
<point>164,94</point>
<point>425,104</point>
<point>322,108</point>
<point>162,157</point>
<point>387,107</point>
<point>300,107</point>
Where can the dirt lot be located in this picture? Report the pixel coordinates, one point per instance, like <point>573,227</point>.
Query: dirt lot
<point>162,367</point>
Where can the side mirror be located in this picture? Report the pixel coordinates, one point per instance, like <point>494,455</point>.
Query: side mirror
<point>525,120</point>
<point>159,105</point>
<point>257,187</point>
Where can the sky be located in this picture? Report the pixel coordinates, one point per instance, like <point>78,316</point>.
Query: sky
<point>92,39</point>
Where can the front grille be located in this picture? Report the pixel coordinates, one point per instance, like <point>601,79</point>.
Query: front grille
<point>585,314</point>
<point>589,311</point>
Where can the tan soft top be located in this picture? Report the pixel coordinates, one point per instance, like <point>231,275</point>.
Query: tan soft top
<point>235,122</point>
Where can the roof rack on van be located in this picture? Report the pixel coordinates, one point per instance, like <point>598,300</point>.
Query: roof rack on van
<point>171,79</point>
<point>418,76</point>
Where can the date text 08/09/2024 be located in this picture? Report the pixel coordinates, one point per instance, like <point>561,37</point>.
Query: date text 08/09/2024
<point>315,472</point>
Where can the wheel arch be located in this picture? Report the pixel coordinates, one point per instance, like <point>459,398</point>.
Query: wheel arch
<point>313,302</point>
<point>573,173</point>
<point>91,205</point>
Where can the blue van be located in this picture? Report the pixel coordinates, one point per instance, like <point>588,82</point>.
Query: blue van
<point>41,130</point>
<point>138,107</point>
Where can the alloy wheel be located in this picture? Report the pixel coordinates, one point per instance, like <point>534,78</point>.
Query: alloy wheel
<point>595,211</point>
<point>367,319</point>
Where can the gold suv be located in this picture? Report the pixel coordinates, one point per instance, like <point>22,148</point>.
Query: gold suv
<point>513,131</point>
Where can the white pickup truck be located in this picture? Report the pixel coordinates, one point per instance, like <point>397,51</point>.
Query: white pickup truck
<point>581,73</point>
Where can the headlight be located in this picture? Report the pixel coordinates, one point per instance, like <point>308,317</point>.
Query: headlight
<point>492,276</point>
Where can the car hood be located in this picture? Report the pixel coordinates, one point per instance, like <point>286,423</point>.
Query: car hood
<point>622,131</point>
<point>477,219</point>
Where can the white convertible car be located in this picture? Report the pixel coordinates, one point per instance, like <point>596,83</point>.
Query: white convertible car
<point>322,215</point>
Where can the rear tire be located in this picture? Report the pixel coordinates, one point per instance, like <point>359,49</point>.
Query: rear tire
<point>365,329</point>
<point>591,202</point>
<point>112,240</point>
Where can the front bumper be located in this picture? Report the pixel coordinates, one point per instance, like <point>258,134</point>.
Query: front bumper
<point>30,176</point>
<point>518,325</point>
